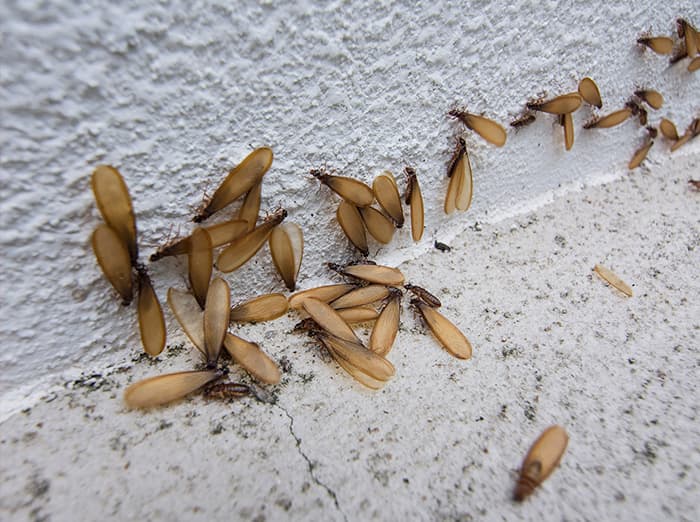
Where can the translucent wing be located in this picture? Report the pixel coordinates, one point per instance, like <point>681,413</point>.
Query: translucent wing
<point>162,389</point>
<point>114,202</point>
<point>361,296</point>
<point>253,359</point>
<point>329,320</point>
<point>417,212</point>
<point>190,316</point>
<point>358,314</point>
<point>568,123</point>
<point>611,120</point>
<point>658,44</point>
<point>653,98</point>
<point>445,332</point>
<point>151,321</point>
<point>351,222</point>
<point>240,180</point>
<point>378,225</point>
<point>251,206</point>
<point>589,91</point>
<point>387,193</point>
<point>640,155</point>
<point>668,129</point>
<point>199,264</point>
<point>563,104</point>
<point>287,248</point>
<point>114,260</point>
<point>351,190</point>
<point>542,458</point>
<point>360,357</point>
<point>325,293</point>
<point>608,275</point>
<point>383,275</point>
<point>387,326</point>
<point>488,129</point>
<point>243,248</point>
<point>216,318</point>
<point>259,309</point>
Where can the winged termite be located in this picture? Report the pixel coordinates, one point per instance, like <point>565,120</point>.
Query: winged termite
<point>329,320</point>
<point>162,389</point>
<point>523,120</point>
<point>610,120</point>
<point>653,98</point>
<point>383,275</point>
<point>640,155</point>
<point>668,129</point>
<point>114,260</point>
<point>378,225</point>
<point>251,206</point>
<point>358,356</point>
<point>386,191</point>
<point>488,129</point>
<point>220,234</point>
<point>658,44</point>
<point>351,190</point>
<point>190,316</point>
<point>199,264</point>
<point>351,222</point>
<point>325,293</point>
<point>691,132</point>
<point>567,121</point>
<point>216,318</point>
<point>240,250</point>
<point>460,188</point>
<point>150,314</point>
<point>240,180</point>
<point>114,202</point>
<point>260,309</point>
<point>442,247</point>
<point>256,362</point>
<point>414,199</point>
<point>449,336</point>
<point>387,326</point>
<point>590,93</point>
<point>542,458</point>
<point>563,104</point>
<point>689,35</point>
<point>358,314</point>
<point>422,294</point>
<point>612,279</point>
<point>227,390</point>
<point>287,249</point>
<point>355,372</point>
<point>361,296</point>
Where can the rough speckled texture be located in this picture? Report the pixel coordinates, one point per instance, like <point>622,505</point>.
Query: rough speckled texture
<point>552,344</point>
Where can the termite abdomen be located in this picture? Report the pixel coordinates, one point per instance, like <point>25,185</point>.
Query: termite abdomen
<point>227,391</point>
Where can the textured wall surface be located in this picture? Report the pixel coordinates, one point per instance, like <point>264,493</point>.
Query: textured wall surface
<point>175,93</point>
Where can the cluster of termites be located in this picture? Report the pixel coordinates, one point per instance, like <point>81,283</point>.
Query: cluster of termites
<point>372,294</point>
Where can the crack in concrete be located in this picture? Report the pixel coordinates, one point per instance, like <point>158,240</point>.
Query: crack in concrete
<point>310,464</point>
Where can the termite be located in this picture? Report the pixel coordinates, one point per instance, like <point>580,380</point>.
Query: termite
<point>447,334</point>
<point>488,129</point>
<point>589,91</point>
<point>162,389</point>
<point>658,44</point>
<point>653,98</point>
<point>287,248</point>
<point>260,309</point>
<point>461,185</point>
<point>523,120</point>
<point>387,325</point>
<point>383,275</point>
<point>542,458</point>
<point>414,199</point>
<point>422,294</point>
<point>442,247</point>
<point>351,190</point>
<point>563,104</point>
<point>386,191</point>
<point>567,122</point>
<point>610,120</point>
<point>227,390</point>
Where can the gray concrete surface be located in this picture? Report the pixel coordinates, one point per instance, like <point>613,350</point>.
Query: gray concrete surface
<point>552,344</point>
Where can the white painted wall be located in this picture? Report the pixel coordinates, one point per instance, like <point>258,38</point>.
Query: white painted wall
<point>175,93</point>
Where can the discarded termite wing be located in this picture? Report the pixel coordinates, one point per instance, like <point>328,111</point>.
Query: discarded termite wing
<point>541,460</point>
<point>611,278</point>
<point>449,336</point>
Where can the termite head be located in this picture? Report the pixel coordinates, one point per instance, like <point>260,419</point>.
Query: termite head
<point>652,132</point>
<point>306,325</point>
<point>523,120</point>
<point>276,217</point>
<point>320,174</point>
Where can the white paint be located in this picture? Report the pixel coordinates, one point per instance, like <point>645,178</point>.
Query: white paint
<point>174,94</point>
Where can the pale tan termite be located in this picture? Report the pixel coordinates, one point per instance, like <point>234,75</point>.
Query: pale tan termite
<point>610,120</point>
<point>653,98</point>
<point>563,104</point>
<point>243,248</point>
<point>379,274</point>
<point>387,326</point>
<point>351,190</point>
<point>260,309</point>
<point>387,194</point>
<point>240,180</point>
<point>216,318</point>
<point>378,225</point>
<point>162,389</point>
<point>351,222</point>
<point>611,278</point>
<point>220,234</point>
<point>190,316</point>
<point>422,294</point>
<point>567,121</point>
<point>256,362</point>
<point>113,257</point>
<point>358,314</point>
<point>414,199</point>
<point>449,336</point>
<point>114,202</point>
<point>488,129</point>
<point>251,206</point>
<point>361,296</point>
<point>329,320</point>
<point>658,44</point>
<point>461,185</point>
<point>590,93</point>
<point>150,314</point>
<point>694,64</point>
<point>640,155</point>
<point>542,458</point>
<point>668,129</point>
<point>287,249</point>
<point>325,293</point>
<point>689,35</point>
<point>199,264</point>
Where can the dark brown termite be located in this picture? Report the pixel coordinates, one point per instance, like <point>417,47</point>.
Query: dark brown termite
<point>227,391</point>
<point>442,247</point>
<point>523,120</point>
<point>422,294</point>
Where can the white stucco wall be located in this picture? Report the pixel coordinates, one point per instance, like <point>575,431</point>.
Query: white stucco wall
<point>175,93</point>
